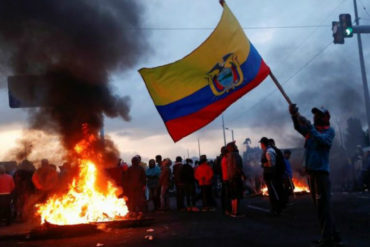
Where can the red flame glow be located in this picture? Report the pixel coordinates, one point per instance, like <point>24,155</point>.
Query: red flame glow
<point>85,201</point>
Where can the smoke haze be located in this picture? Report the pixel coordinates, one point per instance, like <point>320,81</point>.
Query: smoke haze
<point>75,45</point>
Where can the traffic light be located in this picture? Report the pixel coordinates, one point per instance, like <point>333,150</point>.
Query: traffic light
<point>346,24</point>
<point>337,33</point>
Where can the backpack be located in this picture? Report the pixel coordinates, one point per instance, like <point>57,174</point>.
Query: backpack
<point>280,162</point>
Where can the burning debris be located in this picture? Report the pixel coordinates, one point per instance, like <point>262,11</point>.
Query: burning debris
<point>73,46</point>
<point>300,187</point>
<point>86,200</point>
<point>62,53</point>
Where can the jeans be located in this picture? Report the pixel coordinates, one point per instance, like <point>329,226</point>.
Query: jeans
<point>164,199</point>
<point>225,196</point>
<point>154,196</point>
<point>206,195</point>
<point>189,190</point>
<point>5,207</point>
<point>274,188</point>
<point>319,183</point>
<point>180,196</point>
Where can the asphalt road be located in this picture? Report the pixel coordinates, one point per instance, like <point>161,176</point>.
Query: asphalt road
<point>297,226</point>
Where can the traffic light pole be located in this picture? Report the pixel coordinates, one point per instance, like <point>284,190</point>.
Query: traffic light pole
<point>363,70</point>
<point>361,29</point>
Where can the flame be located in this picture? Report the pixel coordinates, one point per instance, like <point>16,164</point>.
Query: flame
<point>84,202</point>
<point>265,191</point>
<point>299,187</point>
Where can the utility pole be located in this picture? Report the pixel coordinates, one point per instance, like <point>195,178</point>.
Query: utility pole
<point>223,129</point>
<point>199,148</point>
<point>343,29</point>
<point>363,70</point>
<point>232,133</point>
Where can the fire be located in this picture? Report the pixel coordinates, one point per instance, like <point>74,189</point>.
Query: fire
<point>84,202</point>
<point>264,191</point>
<point>299,187</point>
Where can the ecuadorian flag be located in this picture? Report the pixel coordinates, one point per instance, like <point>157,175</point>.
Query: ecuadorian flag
<point>193,91</point>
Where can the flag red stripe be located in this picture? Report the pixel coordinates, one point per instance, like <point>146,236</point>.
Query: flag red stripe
<point>183,126</point>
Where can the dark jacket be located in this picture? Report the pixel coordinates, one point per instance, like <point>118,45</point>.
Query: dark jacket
<point>234,165</point>
<point>134,178</point>
<point>177,173</point>
<point>187,174</point>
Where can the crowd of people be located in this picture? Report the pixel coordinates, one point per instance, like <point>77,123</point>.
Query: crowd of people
<point>196,185</point>
<point>189,181</point>
<point>153,184</point>
<point>24,187</point>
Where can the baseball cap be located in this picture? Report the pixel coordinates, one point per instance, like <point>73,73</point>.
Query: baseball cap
<point>321,110</point>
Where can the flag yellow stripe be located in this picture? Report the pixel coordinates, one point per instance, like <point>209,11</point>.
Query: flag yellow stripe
<point>172,82</point>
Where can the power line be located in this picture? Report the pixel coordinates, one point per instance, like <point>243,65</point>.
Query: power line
<point>285,82</point>
<point>301,45</point>
<point>212,28</point>
<point>298,48</point>
<point>363,6</point>
<point>310,35</point>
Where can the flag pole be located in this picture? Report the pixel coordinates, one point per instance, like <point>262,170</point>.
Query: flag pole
<point>281,89</point>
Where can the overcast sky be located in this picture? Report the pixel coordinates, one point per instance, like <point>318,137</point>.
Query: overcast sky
<point>293,37</point>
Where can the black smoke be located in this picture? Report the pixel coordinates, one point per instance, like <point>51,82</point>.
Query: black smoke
<point>75,45</point>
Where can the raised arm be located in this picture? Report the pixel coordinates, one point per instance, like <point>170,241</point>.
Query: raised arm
<point>300,123</point>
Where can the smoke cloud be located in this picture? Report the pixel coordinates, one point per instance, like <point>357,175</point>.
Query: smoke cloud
<point>74,45</point>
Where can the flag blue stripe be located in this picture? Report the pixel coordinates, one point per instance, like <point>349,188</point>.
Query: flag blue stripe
<point>205,96</point>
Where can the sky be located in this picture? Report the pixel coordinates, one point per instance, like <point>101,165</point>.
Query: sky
<point>293,37</point>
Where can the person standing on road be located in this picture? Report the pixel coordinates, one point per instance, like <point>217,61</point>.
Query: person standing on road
<point>136,181</point>
<point>164,181</point>
<point>319,138</point>
<point>288,186</point>
<point>6,188</point>
<point>235,177</point>
<point>152,182</point>
<point>268,162</point>
<point>204,174</point>
<point>225,193</point>
<point>187,176</point>
<point>177,168</point>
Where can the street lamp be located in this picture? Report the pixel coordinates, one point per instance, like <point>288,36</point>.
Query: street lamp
<point>232,133</point>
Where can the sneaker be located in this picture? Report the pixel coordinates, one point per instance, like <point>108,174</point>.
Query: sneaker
<point>204,209</point>
<point>227,213</point>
